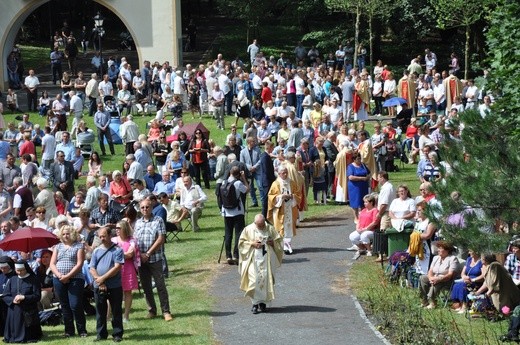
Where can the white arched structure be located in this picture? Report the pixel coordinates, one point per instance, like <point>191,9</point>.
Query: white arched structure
<point>155,26</point>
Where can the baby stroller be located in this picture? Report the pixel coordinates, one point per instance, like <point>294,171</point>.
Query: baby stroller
<point>85,141</point>
<point>399,265</point>
<point>111,106</point>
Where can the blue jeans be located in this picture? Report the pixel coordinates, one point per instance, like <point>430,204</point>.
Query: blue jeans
<point>256,178</point>
<point>14,79</point>
<point>71,300</point>
<point>361,62</point>
<point>299,105</point>
<point>115,297</point>
<point>348,67</point>
<point>407,143</point>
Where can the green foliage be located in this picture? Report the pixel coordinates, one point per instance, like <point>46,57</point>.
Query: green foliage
<point>411,20</point>
<point>487,176</point>
<point>502,39</point>
<point>487,181</point>
<point>326,40</point>
<point>244,10</point>
<point>456,13</point>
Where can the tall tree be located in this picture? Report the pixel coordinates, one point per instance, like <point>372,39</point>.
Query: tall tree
<point>486,161</point>
<point>349,7</point>
<point>460,13</point>
<point>380,10</point>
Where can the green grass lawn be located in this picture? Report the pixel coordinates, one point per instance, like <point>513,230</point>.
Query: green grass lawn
<point>35,57</point>
<point>192,260</point>
<point>396,312</point>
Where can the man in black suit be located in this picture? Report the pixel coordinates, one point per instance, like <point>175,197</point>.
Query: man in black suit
<point>62,175</point>
<point>331,151</point>
<point>267,178</point>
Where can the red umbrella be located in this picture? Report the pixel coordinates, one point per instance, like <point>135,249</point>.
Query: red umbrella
<point>29,239</point>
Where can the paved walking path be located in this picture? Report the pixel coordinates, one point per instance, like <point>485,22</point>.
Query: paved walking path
<point>313,303</point>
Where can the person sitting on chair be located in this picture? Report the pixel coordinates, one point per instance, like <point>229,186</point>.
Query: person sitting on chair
<point>124,100</point>
<point>192,201</point>
<point>440,276</point>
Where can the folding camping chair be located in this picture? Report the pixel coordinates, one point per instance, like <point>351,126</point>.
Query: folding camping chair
<point>172,232</point>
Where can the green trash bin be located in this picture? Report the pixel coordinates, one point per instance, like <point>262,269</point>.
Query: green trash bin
<point>398,240</point>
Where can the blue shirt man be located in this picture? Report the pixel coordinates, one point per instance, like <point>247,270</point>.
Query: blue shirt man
<point>102,122</point>
<point>151,178</point>
<point>166,185</point>
<point>66,146</point>
<point>105,267</point>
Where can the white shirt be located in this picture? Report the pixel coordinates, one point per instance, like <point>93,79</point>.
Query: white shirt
<point>135,171</point>
<point>299,84</point>
<point>335,114</point>
<point>126,76</point>
<point>253,49</point>
<point>223,83</point>
<point>17,199</point>
<point>426,94</point>
<point>76,105</point>
<point>31,82</point>
<point>377,91</point>
<point>386,195</point>
<point>129,131</point>
<point>178,85</point>
<point>472,93</point>
<point>138,82</point>
<point>257,82</point>
<point>400,207</point>
<point>389,86</point>
<point>105,88</point>
<point>49,144</point>
<point>189,196</point>
<point>439,93</point>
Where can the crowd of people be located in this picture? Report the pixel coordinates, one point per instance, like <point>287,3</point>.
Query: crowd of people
<point>304,127</point>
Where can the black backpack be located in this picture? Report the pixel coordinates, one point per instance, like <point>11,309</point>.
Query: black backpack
<point>228,195</point>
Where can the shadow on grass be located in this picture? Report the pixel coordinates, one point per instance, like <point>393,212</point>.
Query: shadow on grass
<point>300,309</point>
<point>178,273</point>
<point>138,336</point>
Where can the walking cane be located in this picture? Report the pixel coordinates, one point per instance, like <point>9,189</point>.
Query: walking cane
<point>221,249</point>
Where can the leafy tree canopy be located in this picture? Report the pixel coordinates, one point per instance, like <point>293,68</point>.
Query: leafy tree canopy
<point>486,161</point>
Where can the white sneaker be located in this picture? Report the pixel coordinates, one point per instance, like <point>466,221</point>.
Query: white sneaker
<point>353,248</point>
<point>369,253</point>
<point>356,255</point>
<point>290,248</point>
